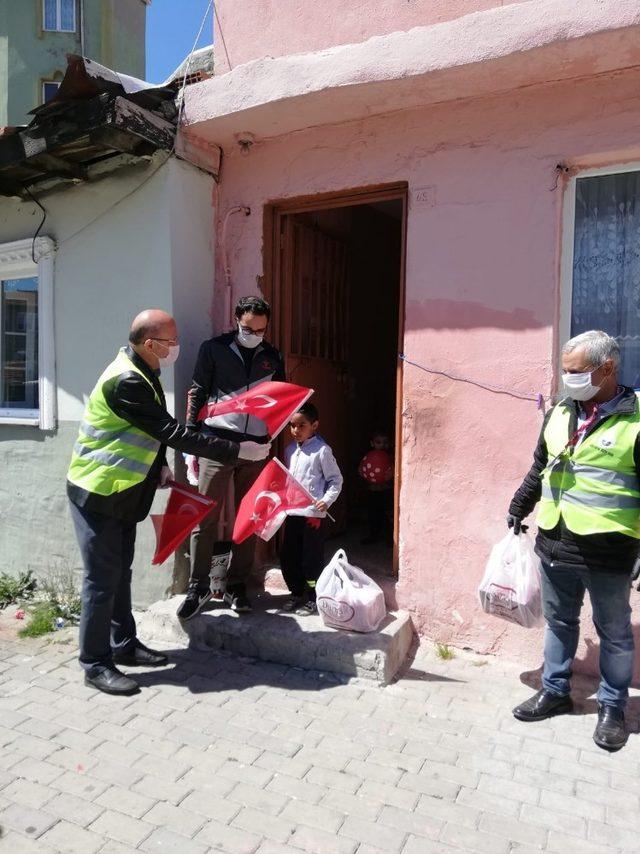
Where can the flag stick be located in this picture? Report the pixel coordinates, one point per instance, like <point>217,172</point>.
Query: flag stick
<point>306,491</point>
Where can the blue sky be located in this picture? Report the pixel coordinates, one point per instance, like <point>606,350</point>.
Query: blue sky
<point>172,26</point>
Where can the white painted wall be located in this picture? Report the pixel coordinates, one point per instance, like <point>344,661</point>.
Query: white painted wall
<point>119,250</point>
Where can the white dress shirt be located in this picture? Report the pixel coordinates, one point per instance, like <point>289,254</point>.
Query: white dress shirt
<point>312,464</point>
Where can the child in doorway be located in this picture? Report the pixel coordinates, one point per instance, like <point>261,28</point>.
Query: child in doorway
<point>310,460</point>
<point>376,469</point>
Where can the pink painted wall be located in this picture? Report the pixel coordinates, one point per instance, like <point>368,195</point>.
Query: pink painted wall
<point>482,283</point>
<point>261,28</point>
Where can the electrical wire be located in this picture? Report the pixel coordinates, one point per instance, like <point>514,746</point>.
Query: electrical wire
<point>536,398</point>
<point>224,44</point>
<point>39,228</point>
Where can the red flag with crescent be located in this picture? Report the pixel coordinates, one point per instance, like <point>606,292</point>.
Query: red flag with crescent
<point>186,508</point>
<point>271,402</point>
<point>264,508</point>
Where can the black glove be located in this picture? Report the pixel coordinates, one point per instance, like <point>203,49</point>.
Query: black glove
<point>515,522</point>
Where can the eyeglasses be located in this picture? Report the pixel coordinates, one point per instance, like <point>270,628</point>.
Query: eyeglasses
<point>249,331</point>
<point>166,340</point>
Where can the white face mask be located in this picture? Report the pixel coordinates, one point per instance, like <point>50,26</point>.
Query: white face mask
<point>579,386</point>
<point>171,357</point>
<point>246,339</point>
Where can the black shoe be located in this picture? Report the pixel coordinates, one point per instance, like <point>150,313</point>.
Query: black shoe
<point>543,705</point>
<point>196,598</point>
<point>293,604</point>
<point>236,598</point>
<point>112,681</point>
<point>308,609</point>
<point>141,656</point>
<point>610,732</point>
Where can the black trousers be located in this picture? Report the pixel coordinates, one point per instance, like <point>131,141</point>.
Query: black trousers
<point>379,510</point>
<point>302,555</point>
<point>106,622</point>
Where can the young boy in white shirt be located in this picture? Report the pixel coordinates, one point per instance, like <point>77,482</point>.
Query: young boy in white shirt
<point>310,460</point>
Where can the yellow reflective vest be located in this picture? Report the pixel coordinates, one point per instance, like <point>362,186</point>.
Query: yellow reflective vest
<point>593,487</point>
<point>110,454</point>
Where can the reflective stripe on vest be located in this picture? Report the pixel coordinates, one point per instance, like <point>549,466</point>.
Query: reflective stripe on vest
<point>110,454</point>
<point>593,487</point>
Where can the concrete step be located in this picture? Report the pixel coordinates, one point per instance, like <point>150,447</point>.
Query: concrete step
<point>284,638</point>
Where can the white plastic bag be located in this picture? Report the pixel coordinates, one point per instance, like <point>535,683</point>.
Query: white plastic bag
<point>347,598</point>
<point>510,587</point>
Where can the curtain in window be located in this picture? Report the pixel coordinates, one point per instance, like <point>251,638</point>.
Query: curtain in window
<point>50,15</point>
<point>606,264</point>
<point>67,14</point>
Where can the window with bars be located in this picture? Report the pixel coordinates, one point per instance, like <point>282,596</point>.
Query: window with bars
<point>59,15</point>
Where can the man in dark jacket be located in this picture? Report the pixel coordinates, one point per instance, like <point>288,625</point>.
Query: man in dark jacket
<point>586,480</point>
<point>118,461</point>
<point>227,366</point>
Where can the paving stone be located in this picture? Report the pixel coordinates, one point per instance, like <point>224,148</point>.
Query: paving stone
<point>296,789</point>
<point>390,839</point>
<point>228,838</point>
<point>80,785</point>
<point>211,806</point>
<point>28,794</point>
<point>177,819</point>
<point>396,797</point>
<point>472,840</point>
<point>26,820</point>
<point>485,802</point>
<point>574,806</point>
<point>334,779</point>
<point>562,843</point>
<point>410,822</point>
<point>258,798</point>
<point>37,771</point>
<point>121,827</point>
<point>14,843</point>
<point>125,801</point>
<point>316,841</point>
<point>74,809</point>
<point>72,839</point>
<point>321,817</point>
<point>163,840</point>
<point>548,818</point>
<point>158,789</point>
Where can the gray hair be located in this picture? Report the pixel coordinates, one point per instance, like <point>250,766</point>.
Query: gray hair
<point>598,347</point>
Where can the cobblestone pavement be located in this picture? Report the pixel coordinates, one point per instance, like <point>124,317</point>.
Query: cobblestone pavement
<point>221,753</point>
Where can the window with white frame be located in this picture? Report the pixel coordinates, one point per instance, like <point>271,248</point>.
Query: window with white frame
<point>605,261</point>
<point>27,364</point>
<point>59,15</point>
<point>49,90</point>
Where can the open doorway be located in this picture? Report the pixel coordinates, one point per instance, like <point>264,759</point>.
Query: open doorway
<point>336,282</point>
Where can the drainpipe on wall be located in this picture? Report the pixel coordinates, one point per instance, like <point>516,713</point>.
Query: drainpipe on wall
<point>225,259</point>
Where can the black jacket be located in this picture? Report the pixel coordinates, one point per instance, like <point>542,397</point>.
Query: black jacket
<point>130,397</point>
<point>220,370</point>
<point>601,552</point>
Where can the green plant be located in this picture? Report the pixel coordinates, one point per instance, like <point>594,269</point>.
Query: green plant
<point>60,590</point>
<point>444,652</point>
<point>41,620</point>
<point>13,589</point>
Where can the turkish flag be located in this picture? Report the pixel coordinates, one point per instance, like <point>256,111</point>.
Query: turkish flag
<point>264,508</point>
<point>185,509</point>
<point>271,402</point>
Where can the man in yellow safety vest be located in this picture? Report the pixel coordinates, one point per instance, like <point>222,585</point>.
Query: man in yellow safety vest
<point>586,480</point>
<point>118,461</point>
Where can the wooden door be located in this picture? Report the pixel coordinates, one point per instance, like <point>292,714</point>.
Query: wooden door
<point>315,305</point>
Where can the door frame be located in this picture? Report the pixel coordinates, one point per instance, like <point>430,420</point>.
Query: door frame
<point>276,215</point>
